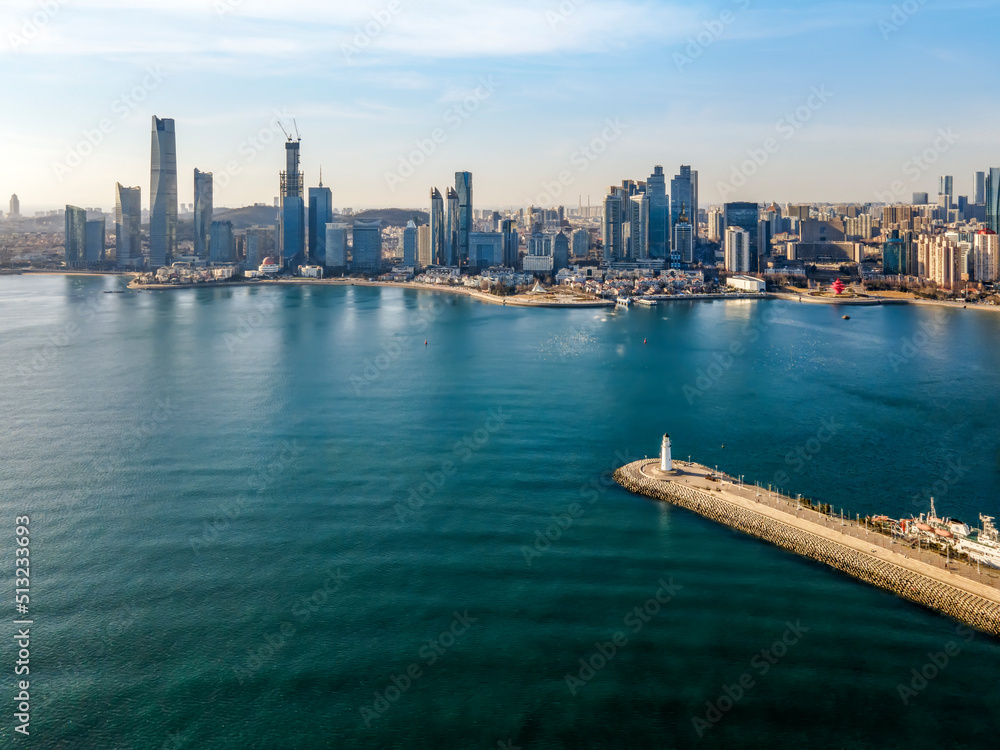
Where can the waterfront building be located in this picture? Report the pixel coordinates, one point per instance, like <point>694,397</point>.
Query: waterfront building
<point>320,214</point>
<point>259,245</point>
<point>739,251</point>
<point>163,194</point>
<point>987,256</point>
<point>438,231</point>
<point>367,255</point>
<point>659,215</point>
<point>221,246</point>
<point>76,237</point>
<point>486,249</point>
<point>560,252</point>
<point>511,243</point>
<point>424,255</point>
<point>895,260</point>
<point>940,259</point>
<point>451,229</point>
<point>203,209</point>
<point>683,240</point>
<point>463,187</point>
<point>410,245</point>
<point>128,226</point>
<point>292,240</point>
<point>746,217</point>
<point>336,244</point>
<point>96,240</point>
<point>612,226</point>
<point>684,192</point>
<point>581,242</point>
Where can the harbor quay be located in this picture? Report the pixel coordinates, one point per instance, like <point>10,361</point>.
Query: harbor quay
<point>965,592</point>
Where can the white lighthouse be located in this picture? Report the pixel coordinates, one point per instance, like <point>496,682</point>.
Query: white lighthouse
<point>666,463</point>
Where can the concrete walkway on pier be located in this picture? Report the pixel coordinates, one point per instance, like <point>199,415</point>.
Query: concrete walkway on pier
<point>850,534</point>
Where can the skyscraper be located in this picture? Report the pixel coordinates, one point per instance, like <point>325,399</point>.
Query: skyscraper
<point>993,199</point>
<point>581,243</point>
<point>260,244</point>
<point>639,227</point>
<point>424,256</point>
<point>320,214</point>
<point>946,186</point>
<point>451,229</point>
<point>221,245</point>
<point>463,186</point>
<point>367,245</point>
<point>96,242</point>
<point>128,226</point>
<point>163,194</point>
<point>437,229</point>
<point>979,188</point>
<point>511,243</point>
<point>293,219</point>
<point>659,213</point>
<point>684,192</point>
<point>739,255</point>
<point>683,239</point>
<point>336,244</point>
<point>746,217</point>
<point>203,209</point>
<point>15,206</point>
<point>560,252</point>
<point>76,236</point>
<point>612,226</point>
<point>410,244</point>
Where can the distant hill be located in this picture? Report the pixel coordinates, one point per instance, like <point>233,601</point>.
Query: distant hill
<point>248,216</point>
<point>391,217</point>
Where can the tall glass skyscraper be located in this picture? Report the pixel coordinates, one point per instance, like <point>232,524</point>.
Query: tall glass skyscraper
<point>76,236</point>
<point>993,199</point>
<point>979,188</point>
<point>612,226</point>
<point>163,194</point>
<point>746,216</point>
<point>410,244</point>
<point>221,244</point>
<point>451,229</point>
<point>659,213</point>
<point>437,228</point>
<point>367,246</point>
<point>293,212</point>
<point>203,208</point>
<point>96,242</point>
<point>684,194</point>
<point>320,214</point>
<point>463,186</point>
<point>639,227</point>
<point>128,226</point>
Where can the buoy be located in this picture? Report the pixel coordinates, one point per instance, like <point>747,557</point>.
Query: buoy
<point>425,342</point>
<point>644,341</point>
<point>847,317</point>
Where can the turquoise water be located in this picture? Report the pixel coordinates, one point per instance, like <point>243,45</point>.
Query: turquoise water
<point>254,510</point>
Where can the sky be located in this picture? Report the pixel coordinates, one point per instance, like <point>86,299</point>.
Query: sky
<point>546,102</point>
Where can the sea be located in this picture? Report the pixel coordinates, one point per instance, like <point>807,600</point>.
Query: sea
<point>316,516</point>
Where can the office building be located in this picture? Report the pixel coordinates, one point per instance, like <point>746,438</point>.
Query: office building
<point>409,245</point>
<point>716,225</point>
<point>895,255</point>
<point>424,255</point>
<point>638,227</point>
<point>76,237</point>
<point>367,255</point>
<point>511,243</point>
<point>292,240</point>
<point>128,226</point>
<point>451,222</point>
<point>438,230</point>
<point>745,216</point>
<point>96,241</point>
<point>581,242</point>
<point>320,214</point>
<point>163,194</point>
<point>221,244</point>
<point>259,245</point>
<point>920,199</point>
<point>486,249</point>
<point>659,214</point>
<point>463,186</point>
<point>612,226</point>
<point>15,206</point>
<point>203,209</point>
<point>993,199</point>
<point>336,245</point>
<point>684,192</point>
<point>739,253</point>
<point>560,252</point>
<point>682,243</point>
<point>979,188</point>
<point>946,186</point>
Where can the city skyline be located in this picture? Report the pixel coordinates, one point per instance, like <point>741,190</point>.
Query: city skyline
<point>409,108</point>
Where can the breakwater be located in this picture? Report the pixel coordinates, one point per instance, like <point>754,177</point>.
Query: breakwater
<point>693,487</point>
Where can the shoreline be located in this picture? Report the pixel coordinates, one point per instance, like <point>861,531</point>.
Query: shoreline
<point>840,543</point>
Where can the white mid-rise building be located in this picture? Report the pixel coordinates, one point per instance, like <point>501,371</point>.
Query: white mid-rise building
<point>987,256</point>
<point>737,250</point>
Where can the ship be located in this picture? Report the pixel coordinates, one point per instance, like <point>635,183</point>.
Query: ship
<point>646,302</point>
<point>624,301</point>
<point>980,545</point>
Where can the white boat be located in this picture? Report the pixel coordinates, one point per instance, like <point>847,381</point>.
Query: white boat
<point>982,544</point>
<point>646,302</point>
